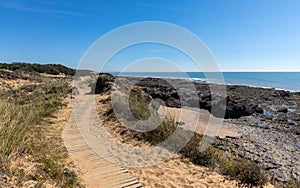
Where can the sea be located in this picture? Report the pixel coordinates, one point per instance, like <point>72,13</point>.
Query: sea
<point>289,81</point>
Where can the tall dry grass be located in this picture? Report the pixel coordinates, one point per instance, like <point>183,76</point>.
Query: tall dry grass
<point>16,122</point>
<point>25,132</point>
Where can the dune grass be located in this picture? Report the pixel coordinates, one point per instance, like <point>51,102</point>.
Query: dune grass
<point>26,137</point>
<point>15,120</point>
<point>138,104</point>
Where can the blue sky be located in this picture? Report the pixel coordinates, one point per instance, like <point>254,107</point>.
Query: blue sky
<point>243,35</point>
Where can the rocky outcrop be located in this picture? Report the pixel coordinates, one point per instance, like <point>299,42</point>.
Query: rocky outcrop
<point>240,101</point>
<point>103,83</point>
<point>237,105</point>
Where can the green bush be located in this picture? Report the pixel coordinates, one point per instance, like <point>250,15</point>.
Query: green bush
<point>244,170</point>
<point>161,133</point>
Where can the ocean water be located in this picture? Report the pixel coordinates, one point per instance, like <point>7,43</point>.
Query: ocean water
<point>280,80</point>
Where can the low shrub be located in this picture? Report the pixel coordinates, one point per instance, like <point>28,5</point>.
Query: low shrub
<point>244,170</point>
<point>139,104</point>
<point>161,133</point>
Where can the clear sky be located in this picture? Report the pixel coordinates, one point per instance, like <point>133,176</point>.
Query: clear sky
<point>247,35</point>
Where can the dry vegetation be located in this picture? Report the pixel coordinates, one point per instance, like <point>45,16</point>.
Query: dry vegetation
<point>31,148</point>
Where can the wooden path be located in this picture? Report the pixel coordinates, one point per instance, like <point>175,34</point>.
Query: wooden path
<point>102,170</point>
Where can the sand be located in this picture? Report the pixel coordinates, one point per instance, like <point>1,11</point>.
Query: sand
<point>177,173</point>
<point>205,122</point>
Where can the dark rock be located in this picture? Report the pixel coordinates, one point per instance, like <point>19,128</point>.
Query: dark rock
<point>104,83</point>
<point>283,110</point>
<point>238,103</point>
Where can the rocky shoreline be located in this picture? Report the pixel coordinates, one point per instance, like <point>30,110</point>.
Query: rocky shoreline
<point>268,120</point>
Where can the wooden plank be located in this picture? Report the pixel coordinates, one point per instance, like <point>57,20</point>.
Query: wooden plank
<point>99,169</point>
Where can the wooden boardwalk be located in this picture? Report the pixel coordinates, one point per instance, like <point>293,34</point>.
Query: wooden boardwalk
<point>102,170</point>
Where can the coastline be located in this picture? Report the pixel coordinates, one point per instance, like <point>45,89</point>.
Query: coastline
<point>204,80</point>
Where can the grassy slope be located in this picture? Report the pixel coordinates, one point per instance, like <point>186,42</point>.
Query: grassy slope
<point>31,149</point>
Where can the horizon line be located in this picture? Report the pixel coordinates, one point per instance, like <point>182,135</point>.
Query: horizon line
<point>153,71</point>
